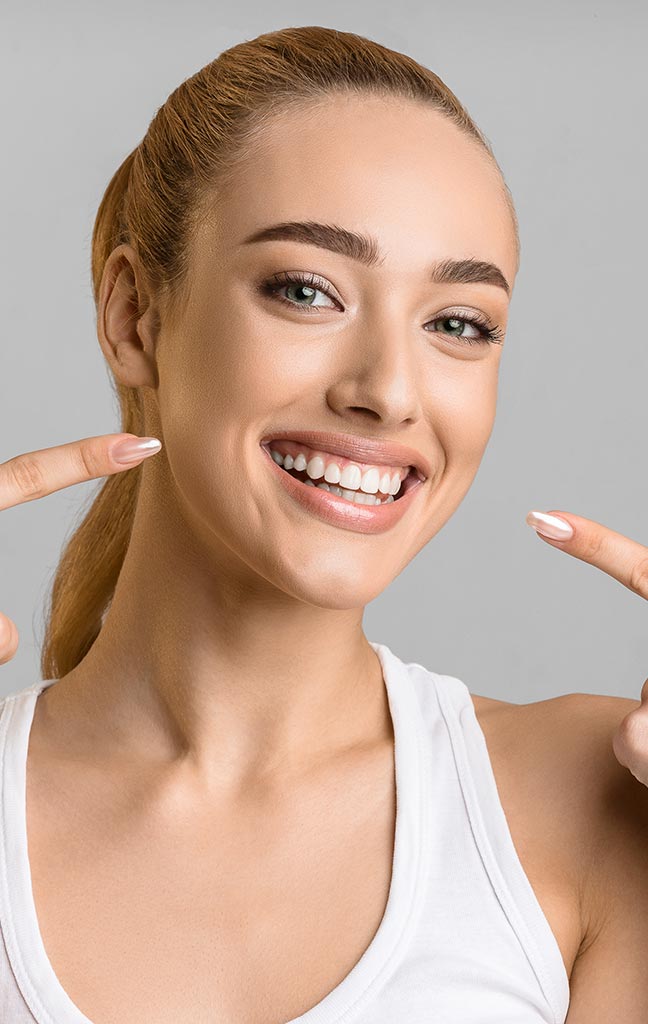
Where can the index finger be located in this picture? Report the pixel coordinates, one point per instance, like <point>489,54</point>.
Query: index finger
<point>35,474</point>
<point>623,559</point>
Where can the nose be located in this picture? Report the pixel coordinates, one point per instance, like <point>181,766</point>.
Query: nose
<point>378,372</point>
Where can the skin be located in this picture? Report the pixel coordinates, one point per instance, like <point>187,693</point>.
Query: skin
<point>232,663</point>
<point>223,567</point>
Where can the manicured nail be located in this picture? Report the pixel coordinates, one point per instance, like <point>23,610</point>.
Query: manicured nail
<point>550,526</point>
<point>133,449</point>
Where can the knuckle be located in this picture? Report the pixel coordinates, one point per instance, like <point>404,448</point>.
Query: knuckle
<point>26,474</point>
<point>90,459</point>
<point>632,735</point>
<point>639,577</point>
<point>593,545</point>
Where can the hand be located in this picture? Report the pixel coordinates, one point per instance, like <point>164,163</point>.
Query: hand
<point>626,561</point>
<point>36,474</point>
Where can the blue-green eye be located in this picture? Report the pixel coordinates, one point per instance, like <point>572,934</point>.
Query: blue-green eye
<point>458,323</point>
<point>310,285</point>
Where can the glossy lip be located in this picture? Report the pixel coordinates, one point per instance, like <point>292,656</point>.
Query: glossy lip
<point>362,449</point>
<point>346,514</point>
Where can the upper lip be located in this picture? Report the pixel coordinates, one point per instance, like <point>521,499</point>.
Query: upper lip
<point>362,449</point>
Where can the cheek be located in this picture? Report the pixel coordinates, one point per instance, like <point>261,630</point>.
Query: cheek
<point>220,383</point>
<point>462,415</point>
<point>225,375</point>
<point>252,363</point>
<point>464,405</point>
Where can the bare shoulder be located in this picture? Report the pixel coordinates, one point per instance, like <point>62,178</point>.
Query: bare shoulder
<point>560,751</point>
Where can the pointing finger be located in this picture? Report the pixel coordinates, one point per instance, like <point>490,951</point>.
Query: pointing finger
<point>35,474</point>
<point>623,559</point>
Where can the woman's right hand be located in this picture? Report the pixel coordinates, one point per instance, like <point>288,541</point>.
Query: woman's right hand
<point>36,474</point>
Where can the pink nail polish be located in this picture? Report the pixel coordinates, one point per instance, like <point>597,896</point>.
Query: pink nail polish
<point>550,526</point>
<point>133,449</point>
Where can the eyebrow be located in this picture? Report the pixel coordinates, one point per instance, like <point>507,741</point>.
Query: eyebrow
<point>365,250</point>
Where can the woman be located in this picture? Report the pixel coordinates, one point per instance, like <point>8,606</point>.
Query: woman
<point>238,808</point>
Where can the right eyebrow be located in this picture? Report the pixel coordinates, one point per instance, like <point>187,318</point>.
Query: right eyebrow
<point>365,250</point>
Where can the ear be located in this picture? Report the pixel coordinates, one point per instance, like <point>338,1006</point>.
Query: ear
<point>127,323</point>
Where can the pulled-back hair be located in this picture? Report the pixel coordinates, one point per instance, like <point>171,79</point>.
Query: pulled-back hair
<point>154,201</point>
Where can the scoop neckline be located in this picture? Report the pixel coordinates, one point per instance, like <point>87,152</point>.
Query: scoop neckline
<point>40,987</point>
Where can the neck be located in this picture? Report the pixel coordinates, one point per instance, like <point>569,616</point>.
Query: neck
<point>202,666</point>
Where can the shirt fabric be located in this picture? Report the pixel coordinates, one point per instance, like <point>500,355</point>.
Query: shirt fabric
<point>463,939</point>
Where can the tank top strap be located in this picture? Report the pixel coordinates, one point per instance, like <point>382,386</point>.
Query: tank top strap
<point>495,843</point>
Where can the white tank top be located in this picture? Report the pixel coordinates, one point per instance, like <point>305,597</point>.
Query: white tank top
<point>463,937</point>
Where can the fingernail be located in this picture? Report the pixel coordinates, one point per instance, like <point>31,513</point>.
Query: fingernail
<point>550,526</point>
<point>135,448</point>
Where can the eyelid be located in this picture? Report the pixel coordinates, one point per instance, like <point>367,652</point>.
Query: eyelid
<point>285,277</point>
<point>469,311</point>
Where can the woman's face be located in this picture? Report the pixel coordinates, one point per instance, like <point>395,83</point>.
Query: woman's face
<point>378,351</point>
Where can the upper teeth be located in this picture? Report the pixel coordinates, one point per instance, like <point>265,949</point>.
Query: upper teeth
<point>350,477</point>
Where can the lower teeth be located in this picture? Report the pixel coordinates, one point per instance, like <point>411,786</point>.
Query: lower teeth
<point>352,496</point>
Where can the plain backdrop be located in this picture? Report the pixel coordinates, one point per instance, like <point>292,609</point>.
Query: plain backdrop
<point>560,89</point>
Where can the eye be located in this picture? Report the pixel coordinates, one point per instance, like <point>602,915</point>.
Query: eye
<point>309,285</point>
<point>484,333</point>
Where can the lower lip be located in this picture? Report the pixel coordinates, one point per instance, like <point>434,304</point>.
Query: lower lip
<point>346,514</point>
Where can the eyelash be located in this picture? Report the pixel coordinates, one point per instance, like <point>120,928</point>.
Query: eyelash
<point>489,335</point>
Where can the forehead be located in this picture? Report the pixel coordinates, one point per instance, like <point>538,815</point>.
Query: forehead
<point>390,167</point>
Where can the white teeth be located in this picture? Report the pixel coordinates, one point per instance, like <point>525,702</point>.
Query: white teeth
<point>370,481</point>
<point>357,497</point>
<point>315,467</point>
<point>332,473</point>
<point>353,484</point>
<point>351,477</point>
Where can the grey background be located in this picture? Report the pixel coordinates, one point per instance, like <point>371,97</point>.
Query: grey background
<point>561,91</point>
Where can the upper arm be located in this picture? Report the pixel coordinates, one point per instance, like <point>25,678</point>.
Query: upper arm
<point>609,980</point>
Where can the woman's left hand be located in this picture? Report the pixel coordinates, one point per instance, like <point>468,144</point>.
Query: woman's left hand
<point>626,561</point>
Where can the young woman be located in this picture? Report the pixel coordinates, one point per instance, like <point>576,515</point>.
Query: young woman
<point>223,802</point>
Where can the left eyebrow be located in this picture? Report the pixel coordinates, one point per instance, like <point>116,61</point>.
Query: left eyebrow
<point>365,250</point>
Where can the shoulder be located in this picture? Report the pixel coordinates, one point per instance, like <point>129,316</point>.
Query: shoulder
<point>596,811</point>
<point>574,730</point>
<point>572,736</point>
<point>562,748</point>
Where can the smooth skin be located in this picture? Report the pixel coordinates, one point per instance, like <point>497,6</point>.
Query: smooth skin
<point>218,771</point>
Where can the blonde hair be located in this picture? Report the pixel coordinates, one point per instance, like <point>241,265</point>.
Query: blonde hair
<point>154,201</point>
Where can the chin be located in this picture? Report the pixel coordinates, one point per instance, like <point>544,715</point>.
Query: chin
<point>339,592</point>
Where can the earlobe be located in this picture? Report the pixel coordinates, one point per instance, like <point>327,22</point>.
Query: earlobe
<point>124,323</point>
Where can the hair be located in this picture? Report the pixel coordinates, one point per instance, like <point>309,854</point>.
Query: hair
<point>154,201</point>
